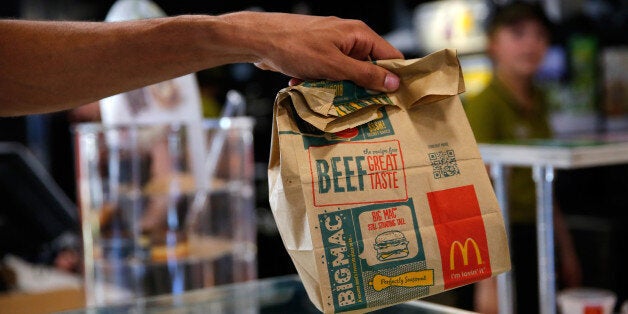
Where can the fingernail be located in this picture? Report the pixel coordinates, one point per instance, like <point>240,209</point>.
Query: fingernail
<point>391,82</point>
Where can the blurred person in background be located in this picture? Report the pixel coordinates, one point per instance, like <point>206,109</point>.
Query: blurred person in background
<point>512,108</point>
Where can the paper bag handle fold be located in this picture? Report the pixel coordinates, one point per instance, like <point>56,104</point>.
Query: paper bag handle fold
<point>427,79</point>
<point>423,80</point>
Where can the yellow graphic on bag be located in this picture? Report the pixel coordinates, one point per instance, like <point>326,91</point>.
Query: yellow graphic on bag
<point>409,279</point>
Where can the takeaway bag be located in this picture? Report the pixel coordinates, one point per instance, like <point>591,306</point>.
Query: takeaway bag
<point>383,198</point>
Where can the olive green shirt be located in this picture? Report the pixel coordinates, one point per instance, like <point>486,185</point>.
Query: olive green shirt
<point>496,116</point>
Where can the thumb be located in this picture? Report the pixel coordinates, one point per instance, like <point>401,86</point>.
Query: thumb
<point>371,76</point>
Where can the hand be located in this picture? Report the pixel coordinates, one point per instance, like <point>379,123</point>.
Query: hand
<point>312,47</point>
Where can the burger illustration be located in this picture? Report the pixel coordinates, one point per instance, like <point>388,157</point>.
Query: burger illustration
<point>344,135</point>
<point>391,245</point>
<point>348,133</point>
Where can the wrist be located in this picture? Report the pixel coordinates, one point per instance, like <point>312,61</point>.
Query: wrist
<point>236,35</point>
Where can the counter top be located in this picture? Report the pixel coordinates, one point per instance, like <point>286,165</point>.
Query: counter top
<point>284,294</point>
<point>556,153</point>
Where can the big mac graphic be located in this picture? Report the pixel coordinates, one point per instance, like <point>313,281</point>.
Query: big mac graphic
<point>391,245</point>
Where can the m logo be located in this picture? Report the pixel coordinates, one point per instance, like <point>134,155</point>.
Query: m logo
<point>460,232</point>
<point>464,251</point>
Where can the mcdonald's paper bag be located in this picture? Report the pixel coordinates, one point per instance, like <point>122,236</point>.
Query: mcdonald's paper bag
<point>383,198</point>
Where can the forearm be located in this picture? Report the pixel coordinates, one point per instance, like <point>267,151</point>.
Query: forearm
<point>50,66</point>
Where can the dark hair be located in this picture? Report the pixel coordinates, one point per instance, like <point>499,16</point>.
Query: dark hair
<point>516,12</point>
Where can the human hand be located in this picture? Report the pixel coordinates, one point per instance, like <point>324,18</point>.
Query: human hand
<point>312,47</point>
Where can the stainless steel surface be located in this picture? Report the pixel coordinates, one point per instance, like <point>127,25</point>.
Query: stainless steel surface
<point>559,155</point>
<point>505,289</point>
<point>544,179</point>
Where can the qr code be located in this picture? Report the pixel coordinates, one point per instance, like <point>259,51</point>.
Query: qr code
<point>444,164</point>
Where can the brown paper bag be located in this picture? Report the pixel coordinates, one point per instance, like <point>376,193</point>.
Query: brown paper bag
<point>383,198</point>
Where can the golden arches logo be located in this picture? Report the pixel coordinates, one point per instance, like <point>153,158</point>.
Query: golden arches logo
<point>464,250</point>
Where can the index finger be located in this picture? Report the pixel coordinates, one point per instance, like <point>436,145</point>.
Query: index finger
<point>369,75</point>
<point>382,49</point>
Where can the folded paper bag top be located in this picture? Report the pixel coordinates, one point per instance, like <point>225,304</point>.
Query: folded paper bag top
<point>383,198</point>
<point>314,101</point>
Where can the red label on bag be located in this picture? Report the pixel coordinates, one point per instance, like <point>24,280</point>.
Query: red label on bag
<point>461,235</point>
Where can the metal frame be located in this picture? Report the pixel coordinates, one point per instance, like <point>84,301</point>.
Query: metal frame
<point>543,159</point>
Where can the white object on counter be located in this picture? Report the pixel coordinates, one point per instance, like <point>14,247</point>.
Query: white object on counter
<point>32,278</point>
<point>583,300</point>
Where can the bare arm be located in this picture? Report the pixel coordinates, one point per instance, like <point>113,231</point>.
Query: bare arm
<point>50,66</point>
